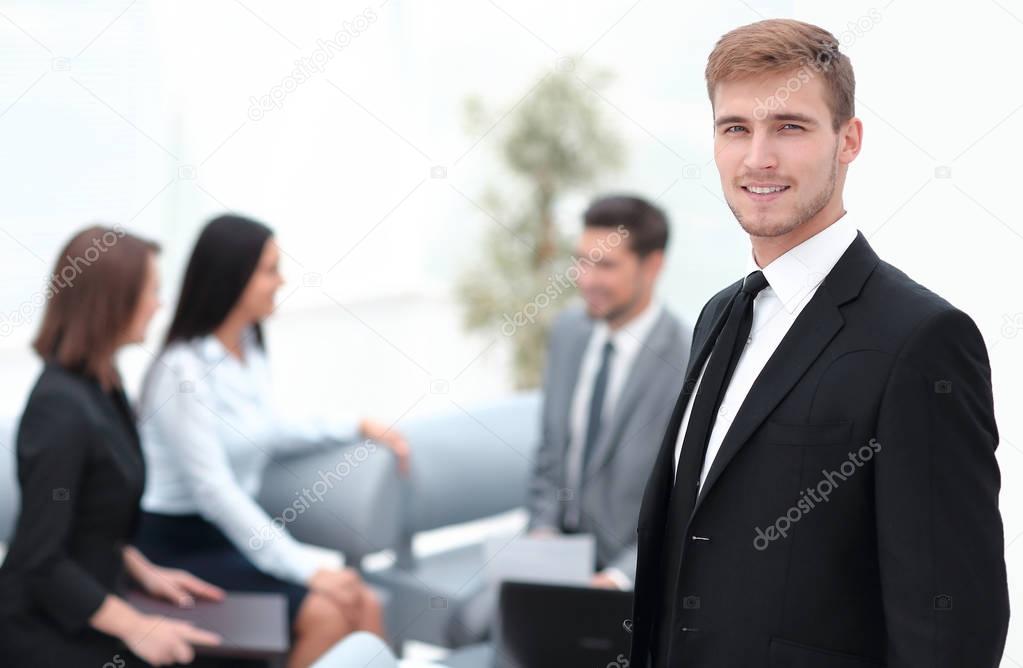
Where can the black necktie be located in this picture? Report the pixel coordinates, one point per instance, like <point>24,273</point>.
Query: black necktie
<point>718,374</point>
<point>723,358</point>
<point>593,423</point>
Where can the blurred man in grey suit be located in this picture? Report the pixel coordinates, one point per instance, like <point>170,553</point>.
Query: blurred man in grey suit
<point>613,371</point>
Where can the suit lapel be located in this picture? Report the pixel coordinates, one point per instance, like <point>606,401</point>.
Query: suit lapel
<point>649,357</point>
<point>806,339</point>
<point>655,499</point>
<point>122,428</point>
<point>577,341</point>
<point>815,326</point>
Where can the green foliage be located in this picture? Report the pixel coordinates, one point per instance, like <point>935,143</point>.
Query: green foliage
<point>553,142</point>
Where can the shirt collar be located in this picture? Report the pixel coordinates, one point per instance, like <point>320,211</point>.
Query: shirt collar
<point>633,333</point>
<point>211,348</point>
<point>798,271</point>
<point>214,352</point>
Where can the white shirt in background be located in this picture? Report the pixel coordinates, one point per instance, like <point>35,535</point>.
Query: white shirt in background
<point>627,341</point>
<point>209,426</point>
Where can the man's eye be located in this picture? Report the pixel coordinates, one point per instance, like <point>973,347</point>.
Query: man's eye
<point>734,127</point>
<point>792,125</point>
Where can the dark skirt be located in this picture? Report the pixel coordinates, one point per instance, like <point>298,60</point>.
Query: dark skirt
<point>191,543</point>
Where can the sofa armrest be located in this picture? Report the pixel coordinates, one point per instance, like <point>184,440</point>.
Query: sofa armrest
<point>470,463</point>
<point>345,499</point>
<point>9,491</point>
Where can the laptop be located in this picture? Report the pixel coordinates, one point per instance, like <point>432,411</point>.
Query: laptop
<point>555,626</point>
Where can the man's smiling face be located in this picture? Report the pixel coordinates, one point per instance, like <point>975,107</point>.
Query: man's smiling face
<point>776,150</point>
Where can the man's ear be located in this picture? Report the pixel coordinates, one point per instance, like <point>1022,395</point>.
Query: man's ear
<point>850,140</point>
<point>652,264</point>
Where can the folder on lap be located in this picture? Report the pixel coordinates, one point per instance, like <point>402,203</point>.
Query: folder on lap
<point>252,626</point>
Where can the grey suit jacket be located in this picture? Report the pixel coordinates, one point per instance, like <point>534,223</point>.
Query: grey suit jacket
<point>617,471</point>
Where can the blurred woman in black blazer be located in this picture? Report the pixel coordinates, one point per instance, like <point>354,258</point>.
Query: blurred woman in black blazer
<point>81,475</point>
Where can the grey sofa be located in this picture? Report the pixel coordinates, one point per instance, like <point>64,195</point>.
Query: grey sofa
<point>469,463</point>
<point>8,478</point>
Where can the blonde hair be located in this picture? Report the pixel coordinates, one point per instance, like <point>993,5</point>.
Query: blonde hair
<point>783,45</point>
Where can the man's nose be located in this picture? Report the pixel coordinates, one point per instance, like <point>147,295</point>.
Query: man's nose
<point>761,153</point>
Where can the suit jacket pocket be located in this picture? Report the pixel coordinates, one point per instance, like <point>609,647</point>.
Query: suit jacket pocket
<point>808,434</point>
<point>788,654</point>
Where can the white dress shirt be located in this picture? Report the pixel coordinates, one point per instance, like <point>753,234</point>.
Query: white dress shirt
<point>627,341</point>
<point>793,278</point>
<point>209,425</point>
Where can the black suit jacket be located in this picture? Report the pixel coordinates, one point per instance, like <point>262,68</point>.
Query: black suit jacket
<point>81,475</point>
<point>901,564</point>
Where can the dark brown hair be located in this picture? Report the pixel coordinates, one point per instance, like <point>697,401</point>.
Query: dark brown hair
<point>646,224</point>
<point>91,299</point>
<point>783,45</point>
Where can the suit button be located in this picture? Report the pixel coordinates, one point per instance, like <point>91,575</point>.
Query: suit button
<point>691,603</point>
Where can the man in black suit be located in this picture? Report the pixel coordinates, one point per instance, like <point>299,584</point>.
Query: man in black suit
<point>826,494</point>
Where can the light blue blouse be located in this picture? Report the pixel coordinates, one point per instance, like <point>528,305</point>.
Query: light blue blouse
<point>209,427</point>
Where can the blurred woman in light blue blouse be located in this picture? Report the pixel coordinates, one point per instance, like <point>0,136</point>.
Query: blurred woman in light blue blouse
<point>210,428</point>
